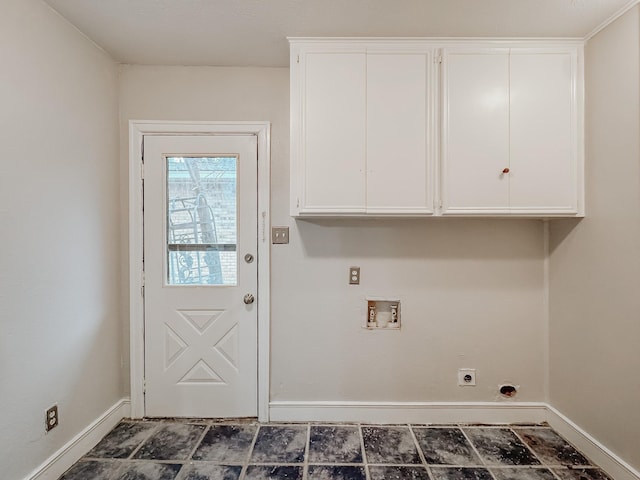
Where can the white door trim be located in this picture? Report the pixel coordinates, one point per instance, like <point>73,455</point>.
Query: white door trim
<point>137,129</point>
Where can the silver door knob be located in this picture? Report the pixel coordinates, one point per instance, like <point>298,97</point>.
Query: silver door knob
<point>248,298</point>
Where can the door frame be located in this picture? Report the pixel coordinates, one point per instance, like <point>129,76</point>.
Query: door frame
<point>137,130</point>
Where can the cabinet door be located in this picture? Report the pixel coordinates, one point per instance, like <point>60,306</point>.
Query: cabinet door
<point>475,132</point>
<point>543,133</point>
<point>334,141</point>
<point>398,167</point>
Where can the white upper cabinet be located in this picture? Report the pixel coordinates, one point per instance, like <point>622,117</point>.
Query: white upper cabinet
<point>334,142</point>
<point>511,132</point>
<point>544,156</point>
<point>370,116</point>
<point>398,177</point>
<point>476,132</point>
<point>360,119</point>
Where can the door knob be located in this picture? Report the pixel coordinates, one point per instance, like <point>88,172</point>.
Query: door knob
<point>249,298</point>
<point>506,170</point>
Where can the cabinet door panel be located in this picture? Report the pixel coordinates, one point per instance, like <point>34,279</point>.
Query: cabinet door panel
<point>543,171</point>
<point>476,132</point>
<point>334,140</point>
<point>397,166</point>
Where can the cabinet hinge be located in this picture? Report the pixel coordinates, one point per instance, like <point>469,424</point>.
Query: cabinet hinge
<point>144,386</point>
<point>437,59</point>
<point>297,58</point>
<point>298,203</point>
<point>142,170</point>
<point>440,204</point>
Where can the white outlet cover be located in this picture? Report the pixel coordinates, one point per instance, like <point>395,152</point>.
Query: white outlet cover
<point>462,373</point>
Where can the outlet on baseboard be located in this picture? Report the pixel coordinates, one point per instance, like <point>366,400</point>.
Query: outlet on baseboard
<point>467,377</point>
<point>51,419</point>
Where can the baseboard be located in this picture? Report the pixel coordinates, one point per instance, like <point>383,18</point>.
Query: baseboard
<point>592,448</point>
<point>408,412</point>
<point>371,412</point>
<point>84,441</point>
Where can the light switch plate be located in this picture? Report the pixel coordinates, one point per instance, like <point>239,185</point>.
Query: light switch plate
<point>280,235</point>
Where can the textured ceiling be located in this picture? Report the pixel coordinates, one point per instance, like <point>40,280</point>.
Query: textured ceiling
<point>253,32</point>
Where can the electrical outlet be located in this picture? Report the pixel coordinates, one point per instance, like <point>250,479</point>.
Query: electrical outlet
<point>467,377</point>
<point>354,275</point>
<point>51,418</point>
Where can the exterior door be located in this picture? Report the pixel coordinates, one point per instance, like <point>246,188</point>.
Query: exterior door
<point>200,244</point>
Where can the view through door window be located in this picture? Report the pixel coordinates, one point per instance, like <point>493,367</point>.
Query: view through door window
<point>202,220</point>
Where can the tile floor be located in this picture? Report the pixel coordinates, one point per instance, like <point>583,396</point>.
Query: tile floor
<point>206,450</point>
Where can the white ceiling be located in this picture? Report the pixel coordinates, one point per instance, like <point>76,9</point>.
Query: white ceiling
<point>253,32</point>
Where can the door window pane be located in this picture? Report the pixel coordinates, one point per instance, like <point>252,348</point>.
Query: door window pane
<point>202,220</point>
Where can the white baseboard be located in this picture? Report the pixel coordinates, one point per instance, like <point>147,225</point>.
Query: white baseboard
<point>592,448</point>
<point>408,412</point>
<point>371,412</point>
<point>79,445</point>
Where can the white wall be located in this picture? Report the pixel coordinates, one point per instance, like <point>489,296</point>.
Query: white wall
<point>472,290</point>
<point>60,330</point>
<point>595,264</point>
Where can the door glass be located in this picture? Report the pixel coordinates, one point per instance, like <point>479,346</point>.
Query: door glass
<point>202,220</point>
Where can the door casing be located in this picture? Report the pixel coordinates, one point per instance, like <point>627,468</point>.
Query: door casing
<point>137,130</point>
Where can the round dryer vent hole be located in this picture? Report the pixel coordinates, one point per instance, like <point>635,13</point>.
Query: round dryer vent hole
<point>508,391</point>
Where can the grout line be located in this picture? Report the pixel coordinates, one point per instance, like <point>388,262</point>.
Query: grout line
<point>120,468</point>
<point>247,459</point>
<point>491,473</point>
<point>333,424</point>
<point>153,431</point>
<point>163,461</point>
<point>529,448</point>
<point>365,462</point>
<point>420,452</point>
<point>484,463</point>
<point>202,435</point>
<point>305,458</point>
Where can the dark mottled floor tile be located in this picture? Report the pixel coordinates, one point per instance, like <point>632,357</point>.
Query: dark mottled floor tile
<point>389,445</point>
<point>207,471</point>
<point>445,446</point>
<point>529,424</point>
<point>226,444</point>
<point>93,469</point>
<point>522,474</point>
<point>174,441</point>
<point>280,444</point>
<point>336,472</point>
<point>435,425</point>
<point>581,474</point>
<point>263,472</point>
<point>397,473</point>
<point>122,440</point>
<point>500,446</point>
<point>149,471</point>
<point>441,473</point>
<point>550,447</point>
<point>334,445</point>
